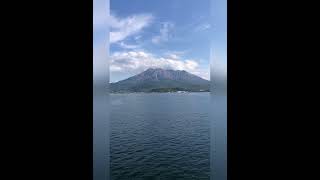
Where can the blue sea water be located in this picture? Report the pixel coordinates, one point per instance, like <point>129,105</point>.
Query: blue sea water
<point>160,136</point>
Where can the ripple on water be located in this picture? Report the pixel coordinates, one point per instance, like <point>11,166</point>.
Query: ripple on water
<point>160,136</point>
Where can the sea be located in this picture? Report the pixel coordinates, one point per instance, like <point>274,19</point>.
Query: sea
<point>165,136</point>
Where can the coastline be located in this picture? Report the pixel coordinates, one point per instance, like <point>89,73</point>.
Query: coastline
<point>186,92</point>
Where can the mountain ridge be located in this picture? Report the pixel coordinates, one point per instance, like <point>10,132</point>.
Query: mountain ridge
<point>161,80</point>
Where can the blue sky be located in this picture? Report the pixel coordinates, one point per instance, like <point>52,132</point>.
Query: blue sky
<point>171,34</point>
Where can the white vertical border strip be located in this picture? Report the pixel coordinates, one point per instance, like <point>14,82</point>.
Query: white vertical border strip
<point>218,92</point>
<point>101,123</point>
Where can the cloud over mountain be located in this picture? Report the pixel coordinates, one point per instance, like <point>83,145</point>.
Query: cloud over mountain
<point>134,62</point>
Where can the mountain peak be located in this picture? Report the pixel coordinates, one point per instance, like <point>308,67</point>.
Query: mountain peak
<point>158,74</point>
<point>154,78</point>
<point>161,69</point>
<point>155,69</point>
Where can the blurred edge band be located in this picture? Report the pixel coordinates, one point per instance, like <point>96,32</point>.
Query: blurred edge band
<point>101,123</point>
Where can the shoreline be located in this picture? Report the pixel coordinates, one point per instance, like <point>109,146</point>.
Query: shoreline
<point>159,92</point>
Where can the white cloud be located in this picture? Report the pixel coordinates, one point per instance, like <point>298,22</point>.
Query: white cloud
<point>137,37</point>
<point>202,27</point>
<point>121,28</point>
<point>128,46</point>
<point>173,56</point>
<point>165,29</point>
<point>134,62</point>
<point>175,53</point>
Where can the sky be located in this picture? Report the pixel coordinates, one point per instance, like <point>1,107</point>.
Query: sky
<point>170,34</point>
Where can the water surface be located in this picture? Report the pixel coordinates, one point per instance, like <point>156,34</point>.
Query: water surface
<point>160,136</point>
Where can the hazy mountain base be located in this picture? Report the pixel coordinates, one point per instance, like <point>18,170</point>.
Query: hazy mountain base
<point>158,86</point>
